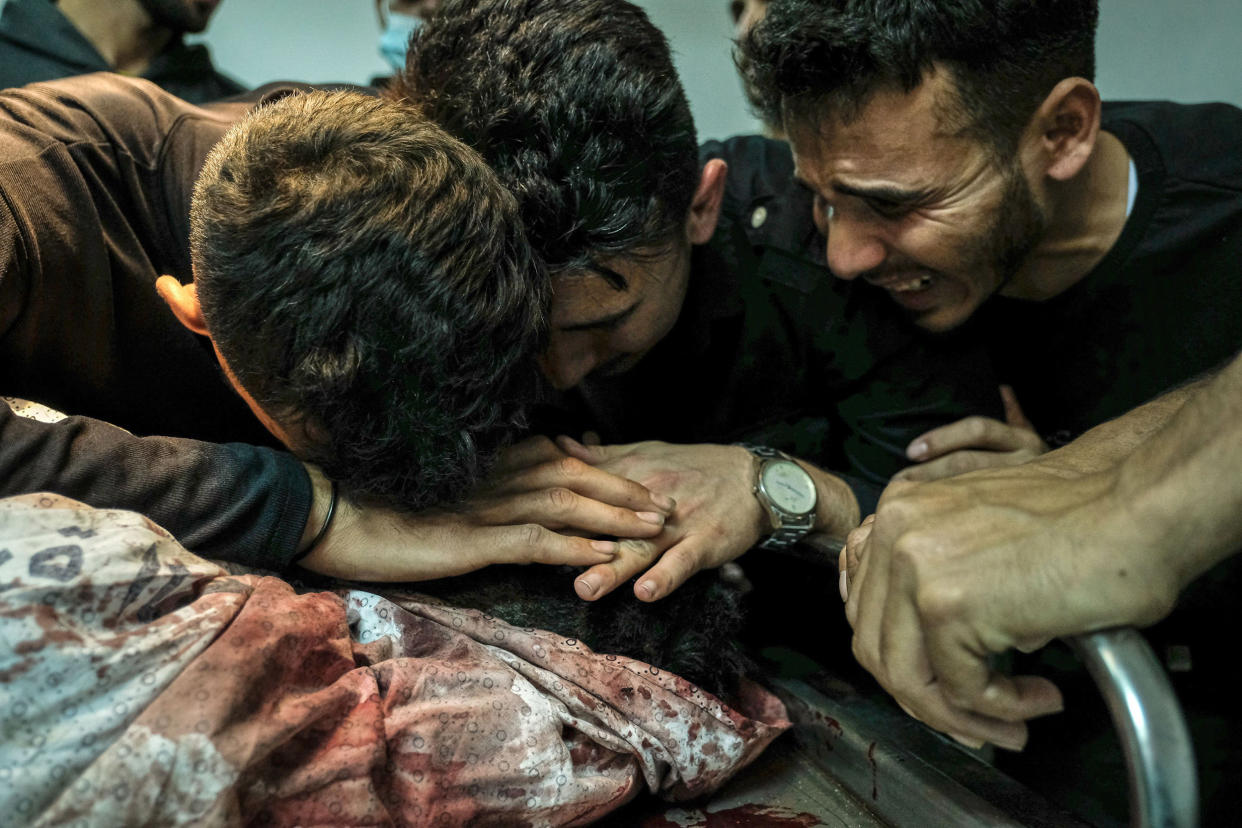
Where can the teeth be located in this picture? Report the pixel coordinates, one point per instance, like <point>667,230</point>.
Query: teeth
<point>913,284</point>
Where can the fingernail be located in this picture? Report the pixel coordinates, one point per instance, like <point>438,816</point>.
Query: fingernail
<point>845,585</point>
<point>917,450</point>
<point>645,590</point>
<point>663,501</point>
<point>973,744</point>
<point>586,587</point>
<point>652,517</point>
<point>607,547</point>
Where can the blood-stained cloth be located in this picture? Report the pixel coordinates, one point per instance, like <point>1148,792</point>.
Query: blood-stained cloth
<point>140,684</point>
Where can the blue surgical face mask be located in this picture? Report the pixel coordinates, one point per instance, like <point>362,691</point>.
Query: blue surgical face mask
<point>395,38</point>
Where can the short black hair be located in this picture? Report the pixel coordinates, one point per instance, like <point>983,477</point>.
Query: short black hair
<point>808,58</point>
<point>576,105</point>
<point>366,276</point>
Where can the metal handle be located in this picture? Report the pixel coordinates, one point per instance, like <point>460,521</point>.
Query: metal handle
<point>1164,787</point>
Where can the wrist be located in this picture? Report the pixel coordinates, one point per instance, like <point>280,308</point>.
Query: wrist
<point>1133,575</point>
<point>321,499</point>
<point>836,508</point>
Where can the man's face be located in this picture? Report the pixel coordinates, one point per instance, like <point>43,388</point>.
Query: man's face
<point>598,330</point>
<point>181,15</point>
<point>912,208</point>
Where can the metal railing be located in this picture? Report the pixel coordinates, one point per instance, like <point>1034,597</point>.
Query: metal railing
<point>1160,761</point>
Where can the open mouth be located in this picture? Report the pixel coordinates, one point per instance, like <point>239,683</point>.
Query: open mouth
<point>903,283</point>
<point>910,285</point>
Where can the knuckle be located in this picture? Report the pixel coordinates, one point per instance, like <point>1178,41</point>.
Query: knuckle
<point>956,696</point>
<point>638,549</point>
<point>531,536</point>
<point>570,468</point>
<point>939,603</point>
<point>976,427</point>
<point>561,499</point>
<point>895,512</point>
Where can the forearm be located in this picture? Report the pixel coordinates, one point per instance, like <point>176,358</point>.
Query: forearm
<point>1183,486</point>
<point>231,502</point>
<point>1110,443</point>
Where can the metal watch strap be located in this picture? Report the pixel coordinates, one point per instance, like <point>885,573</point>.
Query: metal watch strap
<point>787,534</point>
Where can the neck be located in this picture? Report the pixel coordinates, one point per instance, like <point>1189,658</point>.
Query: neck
<point>120,30</point>
<point>1086,215</point>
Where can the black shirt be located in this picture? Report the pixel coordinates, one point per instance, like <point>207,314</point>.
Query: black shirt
<point>1165,303</point>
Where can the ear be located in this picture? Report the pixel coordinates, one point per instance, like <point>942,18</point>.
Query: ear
<point>705,206</point>
<point>1063,131</point>
<point>183,302</point>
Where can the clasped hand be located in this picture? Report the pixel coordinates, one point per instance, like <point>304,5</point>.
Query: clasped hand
<point>950,572</point>
<point>717,517</point>
<point>539,505</point>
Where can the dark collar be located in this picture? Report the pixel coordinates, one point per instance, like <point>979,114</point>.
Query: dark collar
<point>38,26</point>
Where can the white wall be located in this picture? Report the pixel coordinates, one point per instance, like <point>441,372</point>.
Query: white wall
<point>1170,49</point>
<point>1186,51</point>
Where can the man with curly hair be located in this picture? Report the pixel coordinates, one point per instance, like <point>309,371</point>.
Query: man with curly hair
<point>362,295</point>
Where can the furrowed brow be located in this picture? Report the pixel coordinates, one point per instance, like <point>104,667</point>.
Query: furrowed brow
<point>883,192</point>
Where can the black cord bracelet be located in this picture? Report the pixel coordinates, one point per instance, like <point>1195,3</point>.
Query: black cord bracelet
<point>323,530</point>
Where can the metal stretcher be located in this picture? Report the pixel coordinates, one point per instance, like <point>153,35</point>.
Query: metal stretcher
<point>851,760</point>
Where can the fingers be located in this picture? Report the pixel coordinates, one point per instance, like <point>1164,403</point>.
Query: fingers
<point>851,554</point>
<point>632,556</point>
<point>592,454</point>
<point>532,543</point>
<point>585,479</point>
<point>559,507</point>
<point>968,683</point>
<point>528,452</point>
<point>960,462</point>
<point>674,568</point>
<point>1013,412</point>
<point>972,433</point>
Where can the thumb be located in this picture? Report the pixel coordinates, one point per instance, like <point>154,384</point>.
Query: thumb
<point>1013,411</point>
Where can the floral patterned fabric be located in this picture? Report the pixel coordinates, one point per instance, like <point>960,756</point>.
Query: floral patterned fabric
<point>143,685</point>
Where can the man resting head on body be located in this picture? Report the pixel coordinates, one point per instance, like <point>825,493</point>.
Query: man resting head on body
<point>367,287</point>
<point>577,106</point>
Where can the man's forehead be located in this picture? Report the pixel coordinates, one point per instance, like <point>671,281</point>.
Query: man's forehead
<point>893,139</point>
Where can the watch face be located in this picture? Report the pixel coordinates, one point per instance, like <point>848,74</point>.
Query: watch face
<point>788,486</point>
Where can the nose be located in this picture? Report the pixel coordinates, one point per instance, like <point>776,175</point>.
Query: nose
<point>566,367</point>
<point>852,248</point>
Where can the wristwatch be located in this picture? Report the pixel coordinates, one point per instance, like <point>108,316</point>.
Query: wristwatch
<point>786,492</point>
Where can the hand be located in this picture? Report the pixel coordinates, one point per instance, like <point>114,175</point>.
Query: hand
<point>949,572</point>
<point>974,443</point>
<point>535,489</point>
<point>538,482</point>
<point>717,516</point>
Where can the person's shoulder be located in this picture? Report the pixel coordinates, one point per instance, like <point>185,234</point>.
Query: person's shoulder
<point>1200,141</point>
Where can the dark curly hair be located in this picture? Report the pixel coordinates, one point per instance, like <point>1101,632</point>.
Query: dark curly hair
<point>365,276</point>
<point>809,58</point>
<point>576,105</point>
